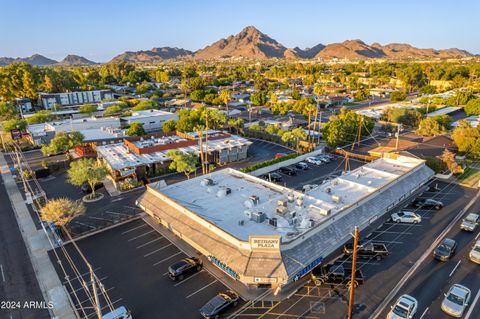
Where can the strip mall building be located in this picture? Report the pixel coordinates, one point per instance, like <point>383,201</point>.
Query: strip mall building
<point>262,233</point>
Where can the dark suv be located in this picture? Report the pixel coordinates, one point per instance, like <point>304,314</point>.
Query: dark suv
<point>288,171</point>
<point>274,177</point>
<point>445,250</point>
<point>218,304</point>
<point>184,267</point>
<point>427,203</point>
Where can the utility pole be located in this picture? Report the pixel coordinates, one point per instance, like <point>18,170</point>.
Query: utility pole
<point>95,295</point>
<point>200,142</point>
<point>352,282</point>
<point>346,163</point>
<point>359,133</point>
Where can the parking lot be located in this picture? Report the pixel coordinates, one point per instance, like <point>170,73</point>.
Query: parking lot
<point>132,262</point>
<point>405,242</point>
<point>315,174</point>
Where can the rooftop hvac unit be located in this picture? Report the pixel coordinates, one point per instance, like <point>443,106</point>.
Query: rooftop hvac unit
<point>241,222</point>
<point>282,210</point>
<point>258,217</point>
<point>255,199</point>
<point>334,182</point>
<point>336,198</point>
<point>272,221</point>
<point>293,214</point>
<point>248,213</point>
<point>319,210</point>
<point>282,202</point>
<point>328,190</point>
<point>290,197</point>
<point>207,182</point>
<point>311,223</point>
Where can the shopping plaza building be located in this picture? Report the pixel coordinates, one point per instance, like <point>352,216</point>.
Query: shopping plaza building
<point>259,232</point>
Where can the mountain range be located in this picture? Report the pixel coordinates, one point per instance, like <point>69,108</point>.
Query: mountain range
<point>250,43</point>
<point>40,60</point>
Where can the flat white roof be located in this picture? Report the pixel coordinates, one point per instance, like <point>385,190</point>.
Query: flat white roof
<point>231,212</point>
<point>445,110</point>
<point>146,113</point>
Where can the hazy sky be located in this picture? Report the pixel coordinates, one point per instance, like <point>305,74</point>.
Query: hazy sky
<point>101,29</point>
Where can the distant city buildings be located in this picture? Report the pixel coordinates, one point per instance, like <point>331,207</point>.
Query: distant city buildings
<point>49,100</point>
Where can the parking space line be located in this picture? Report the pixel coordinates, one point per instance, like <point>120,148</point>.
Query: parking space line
<point>100,279</point>
<point>88,299</point>
<point>388,241</point>
<point>455,268</point>
<point>165,259</point>
<point>81,275</point>
<point>3,275</point>
<point>195,292</point>
<point>157,250</point>
<point>476,237</point>
<point>423,314</point>
<point>403,224</point>
<point>121,214</point>
<point>127,231</point>
<point>149,242</point>
<point>144,234</point>
<point>98,218</point>
<point>181,282</point>
<point>92,227</point>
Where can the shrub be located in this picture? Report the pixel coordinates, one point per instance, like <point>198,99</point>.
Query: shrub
<point>256,166</point>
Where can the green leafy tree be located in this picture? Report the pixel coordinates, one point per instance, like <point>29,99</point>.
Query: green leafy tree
<point>136,129</point>
<point>7,111</point>
<point>460,98</point>
<point>113,110</point>
<point>226,97</point>
<point>183,162</point>
<point>397,96</point>
<point>293,137</point>
<point>428,89</point>
<point>362,94</point>
<point>12,124</point>
<point>40,117</point>
<point>62,142</point>
<point>259,98</point>
<point>61,211</point>
<point>473,107</point>
<point>343,128</point>
<point>88,108</point>
<point>430,127</point>
<point>87,170</point>
<point>467,139</point>
<point>271,129</point>
<point>448,158</point>
<point>169,126</point>
<point>145,105</point>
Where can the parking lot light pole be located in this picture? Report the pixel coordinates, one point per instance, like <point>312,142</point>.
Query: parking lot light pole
<point>352,282</point>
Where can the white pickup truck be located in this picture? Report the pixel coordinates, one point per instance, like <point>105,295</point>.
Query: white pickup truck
<point>470,222</point>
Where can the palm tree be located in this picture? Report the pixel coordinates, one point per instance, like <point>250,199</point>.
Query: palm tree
<point>226,97</point>
<point>310,108</point>
<point>199,129</point>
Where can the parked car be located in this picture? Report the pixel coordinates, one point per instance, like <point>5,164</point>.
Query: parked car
<point>274,177</point>
<point>427,203</point>
<point>406,217</point>
<point>474,254</point>
<point>445,250</point>
<point>470,222</point>
<point>456,300</point>
<point>219,304</point>
<point>118,313</point>
<point>87,189</point>
<point>302,166</point>
<point>288,170</point>
<point>308,187</point>
<point>405,308</point>
<point>367,250</point>
<point>335,274</point>
<point>324,158</point>
<point>314,160</point>
<point>184,267</point>
<point>279,155</point>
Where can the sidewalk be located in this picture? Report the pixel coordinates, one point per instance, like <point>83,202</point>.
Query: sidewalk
<point>37,247</point>
<point>245,292</point>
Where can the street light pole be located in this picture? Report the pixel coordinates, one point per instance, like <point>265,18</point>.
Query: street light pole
<point>352,282</point>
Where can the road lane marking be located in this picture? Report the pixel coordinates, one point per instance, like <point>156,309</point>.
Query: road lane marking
<point>181,282</point>
<point>127,231</point>
<point>157,250</point>
<point>423,314</point>
<point>455,268</point>
<point>3,275</point>
<point>165,259</point>
<point>116,199</point>
<point>144,234</point>
<point>472,305</point>
<point>149,242</point>
<point>392,232</point>
<point>195,292</point>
